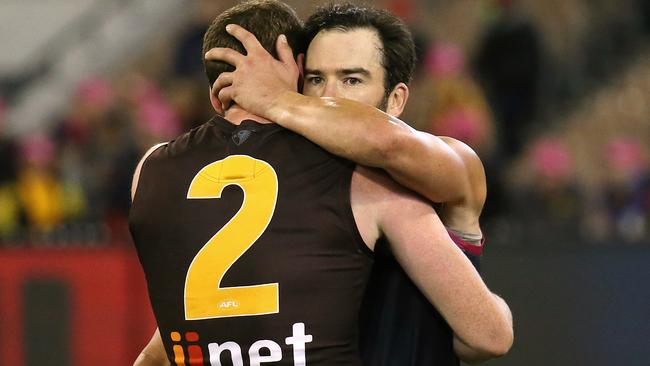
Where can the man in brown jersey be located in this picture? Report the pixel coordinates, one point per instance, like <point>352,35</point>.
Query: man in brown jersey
<point>347,58</point>
<point>480,320</point>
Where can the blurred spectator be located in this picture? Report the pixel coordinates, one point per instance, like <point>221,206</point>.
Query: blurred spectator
<point>115,146</point>
<point>74,184</point>
<point>98,154</point>
<point>148,113</point>
<point>39,190</point>
<point>508,64</point>
<point>189,99</point>
<point>459,109</point>
<point>188,61</point>
<point>9,207</point>
<point>546,194</point>
<point>187,55</point>
<point>627,188</point>
<point>452,104</point>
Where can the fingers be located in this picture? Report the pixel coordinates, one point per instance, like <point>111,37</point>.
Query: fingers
<point>224,80</point>
<point>216,103</point>
<point>248,39</point>
<point>285,53</point>
<point>227,55</point>
<point>225,96</point>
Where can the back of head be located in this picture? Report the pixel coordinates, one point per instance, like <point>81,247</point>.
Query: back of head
<point>266,19</point>
<point>398,47</point>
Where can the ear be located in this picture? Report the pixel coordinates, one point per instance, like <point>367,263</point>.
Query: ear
<point>301,69</point>
<point>216,104</point>
<point>397,100</point>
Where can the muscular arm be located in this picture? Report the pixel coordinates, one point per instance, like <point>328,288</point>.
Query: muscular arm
<point>267,87</point>
<point>362,133</point>
<point>438,267</point>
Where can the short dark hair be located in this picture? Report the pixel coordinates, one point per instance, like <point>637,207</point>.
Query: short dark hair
<point>266,19</point>
<point>398,47</point>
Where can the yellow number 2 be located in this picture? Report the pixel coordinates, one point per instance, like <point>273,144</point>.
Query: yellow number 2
<point>205,298</point>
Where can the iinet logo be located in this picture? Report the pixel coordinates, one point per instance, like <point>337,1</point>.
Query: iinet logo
<point>272,353</point>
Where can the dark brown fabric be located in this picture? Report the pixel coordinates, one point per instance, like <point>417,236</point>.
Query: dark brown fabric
<point>311,247</point>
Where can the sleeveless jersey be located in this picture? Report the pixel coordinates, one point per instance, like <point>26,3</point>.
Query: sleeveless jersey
<point>250,249</point>
<point>398,325</point>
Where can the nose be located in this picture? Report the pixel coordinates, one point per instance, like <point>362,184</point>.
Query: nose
<point>330,90</point>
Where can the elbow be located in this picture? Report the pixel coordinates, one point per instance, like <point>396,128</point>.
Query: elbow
<point>488,345</point>
<point>479,351</point>
<point>503,344</point>
<point>498,343</point>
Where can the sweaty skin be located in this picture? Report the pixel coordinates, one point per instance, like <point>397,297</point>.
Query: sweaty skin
<point>337,113</point>
<point>441,169</point>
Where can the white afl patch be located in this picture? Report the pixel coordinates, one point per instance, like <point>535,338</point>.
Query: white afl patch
<point>228,304</point>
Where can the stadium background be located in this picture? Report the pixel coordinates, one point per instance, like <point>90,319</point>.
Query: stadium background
<point>554,95</point>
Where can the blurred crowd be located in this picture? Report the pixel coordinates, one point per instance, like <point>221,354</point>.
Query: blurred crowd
<point>72,183</point>
<point>554,96</point>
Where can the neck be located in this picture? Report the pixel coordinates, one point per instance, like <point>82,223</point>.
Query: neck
<point>235,115</point>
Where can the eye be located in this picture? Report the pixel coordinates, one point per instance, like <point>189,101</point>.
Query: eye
<point>314,80</point>
<point>352,81</point>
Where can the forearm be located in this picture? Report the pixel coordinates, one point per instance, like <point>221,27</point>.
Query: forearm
<point>349,129</point>
<point>468,354</point>
<point>421,162</point>
<point>447,278</point>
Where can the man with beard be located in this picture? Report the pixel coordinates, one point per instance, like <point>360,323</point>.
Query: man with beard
<point>367,55</point>
<point>481,320</point>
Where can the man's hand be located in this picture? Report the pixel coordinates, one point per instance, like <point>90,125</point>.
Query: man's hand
<point>258,78</point>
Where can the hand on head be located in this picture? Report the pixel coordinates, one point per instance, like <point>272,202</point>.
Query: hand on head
<point>258,77</point>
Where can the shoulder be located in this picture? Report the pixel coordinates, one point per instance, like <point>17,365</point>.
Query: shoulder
<point>474,170</point>
<point>377,200</point>
<point>465,153</point>
<point>382,196</point>
<point>376,186</point>
<point>138,168</point>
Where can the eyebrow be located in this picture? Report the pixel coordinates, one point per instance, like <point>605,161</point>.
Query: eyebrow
<point>354,70</point>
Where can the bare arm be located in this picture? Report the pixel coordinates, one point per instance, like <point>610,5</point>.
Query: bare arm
<point>359,132</point>
<point>470,355</point>
<point>439,268</point>
<point>154,353</point>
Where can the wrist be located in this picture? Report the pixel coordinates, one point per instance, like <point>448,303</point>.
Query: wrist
<point>283,107</point>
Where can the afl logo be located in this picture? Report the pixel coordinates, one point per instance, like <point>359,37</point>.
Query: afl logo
<point>228,304</point>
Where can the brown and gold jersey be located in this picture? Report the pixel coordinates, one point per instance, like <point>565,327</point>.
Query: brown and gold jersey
<point>250,249</point>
